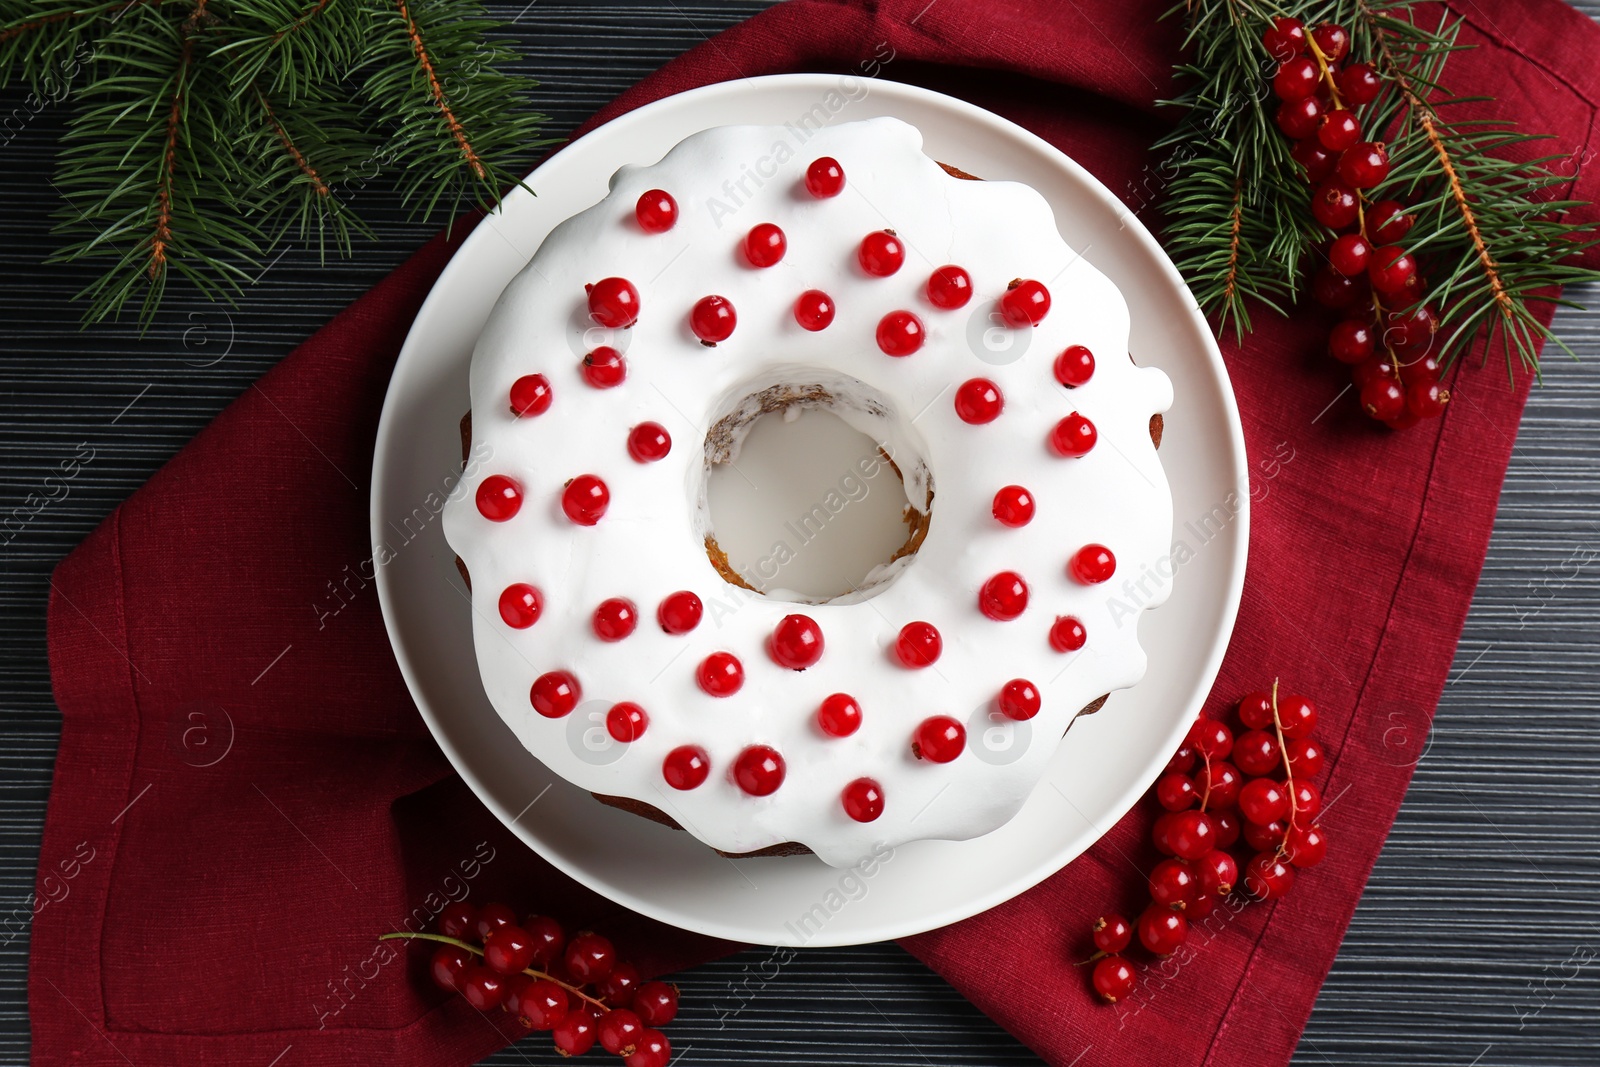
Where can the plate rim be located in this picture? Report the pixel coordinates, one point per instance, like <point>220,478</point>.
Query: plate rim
<point>1049,863</point>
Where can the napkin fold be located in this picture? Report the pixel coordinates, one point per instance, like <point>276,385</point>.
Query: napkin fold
<point>245,795</point>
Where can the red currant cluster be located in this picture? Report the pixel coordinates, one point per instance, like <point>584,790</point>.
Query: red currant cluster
<point>1264,797</point>
<point>1388,331</point>
<point>576,989</point>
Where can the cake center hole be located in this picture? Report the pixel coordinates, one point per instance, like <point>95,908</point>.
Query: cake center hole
<point>810,508</point>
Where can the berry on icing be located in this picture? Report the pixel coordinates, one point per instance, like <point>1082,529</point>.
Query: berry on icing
<point>656,211</point>
<point>720,674</point>
<point>978,401</point>
<point>765,244</point>
<point>686,767</point>
<point>900,333</point>
<point>939,738</point>
<point>530,395</point>
<point>1018,699</point>
<point>680,612</point>
<point>881,253</point>
<point>918,645</point>
<point>1074,366</point>
<point>1093,564</point>
<point>949,287</point>
<point>1003,597</point>
<point>555,694</point>
<point>585,499</point>
<point>813,310</point>
<point>759,770</point>
<point>1025,303</point>
<point>1013,506</point>
<point>862,800</point>
<point>604,367</point>
<point>649,442</point>
<point>613,302</point>
<point>1073,436</point>
<point>615,619</point>
<point>796,642</point>
<point>626,721</point>
<point>499,498</point>
<point>520,605</point>
<point>713,319</point>
<point>1067,634</point>
<point>839,715</point>
<point>824,178</point>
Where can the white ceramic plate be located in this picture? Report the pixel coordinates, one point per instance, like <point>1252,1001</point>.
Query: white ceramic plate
<point>1107,760</point>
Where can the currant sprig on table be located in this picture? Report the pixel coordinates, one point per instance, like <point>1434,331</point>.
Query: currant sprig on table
<point>576,988</point>
<point>1265,798</point>
<point>1403,183</point>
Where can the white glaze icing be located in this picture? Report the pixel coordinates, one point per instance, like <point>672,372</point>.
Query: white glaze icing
<point>649,543</point>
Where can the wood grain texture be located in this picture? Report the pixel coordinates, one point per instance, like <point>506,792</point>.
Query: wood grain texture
<point>1476,942</point>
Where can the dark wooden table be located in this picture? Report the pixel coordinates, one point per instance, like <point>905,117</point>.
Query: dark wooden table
<point>1476,942</point>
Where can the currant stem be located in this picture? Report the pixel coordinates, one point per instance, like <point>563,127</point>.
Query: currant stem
<point>1288,770</point>
<point>1206,796</point>
<point>476,951</point>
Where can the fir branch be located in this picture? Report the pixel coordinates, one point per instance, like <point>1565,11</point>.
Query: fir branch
<point>437,91</point>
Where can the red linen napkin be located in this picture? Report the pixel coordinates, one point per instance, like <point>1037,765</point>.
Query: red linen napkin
<point>245,796</point>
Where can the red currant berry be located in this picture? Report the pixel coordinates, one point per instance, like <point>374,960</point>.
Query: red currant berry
<point>824,178</point>
<point>765,245</point>
<point>1162,930</point>
<point>520,605</point>
<point>1018,700</point>
<point>1191,835</point>
<point>796,642</point>
<point>589,958</point>
<point>679,612</point>
<point>1114,979</point>
<point>1067,634</point>
<point>839,715</point>
<point>1266,877</point>
<point>759,770</point>
<point>1025,303</point>
<point>530,395</point>
<point>1256,752</point>
<point>1173,883</point>
<point>1306,800</point>
<point>1297,715</point>
<point>1332,41</point>
<point>1426,400</point>
<point>1305,846</point>
<point>1264,837</point>
<point>1364,165</point>
<point>547,936</point>
<point>978,400</point>
<point>656,1003</point>
<point>1383,400</point>
<point>1391,269</point>
<point>619,1031</point>
<point>481,987</point>
<point>1350,341</point>
<point>604,367</point>
<point>918,644</point>
<point>1403,421</point>
<point>656,211</point>
<point>492,917</point>
<point>1262,801</point>
<point>1333,290</point>
<point>1003,597</point>
<point>555,694</point>
<point>508,950</point>
<point>900,333</point>
<point>1358,84</point>
<point>1377,369</point>
<point>1411,330</point>
<point>712,319</point>
<point>1218,784</point>
<point>1335,204</point>
<point>1219,873</point>
<point>1285,40</point>
<point>1075,366</point>
<point>1201,906</point>
<point>1211,738</point>
<point>686,767</point>
<point>1255,710</point>
<point>1315,160</point>
<point>881,253</point>
<point>720,674</point>
<point>1093,564</point>
<point>1295,79</point>
<point>1160,830</point>
<point>615,619</point>
<point>447,964</point>
<point>458,919</point>
<point>1388,223</point>
<point>813,310</point>
<point>499,498</point>
<point>648,442</point>
<point>862,800</point>
<point>1112,933</point>
<point>1305,758</point>
<point>574,1035</point>
<point>613,302</point>
<point>1013,506</point>
<point>1175,791</point>
<point>949,287</point>
<point>939,738</point>
<point>1349,254</point>
<point>651,1050</point>
<point>626,721</point>
<point>585,499</point>
<point>1226,823</point>
<point>1299,118</point>
<point>1073,436</point>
